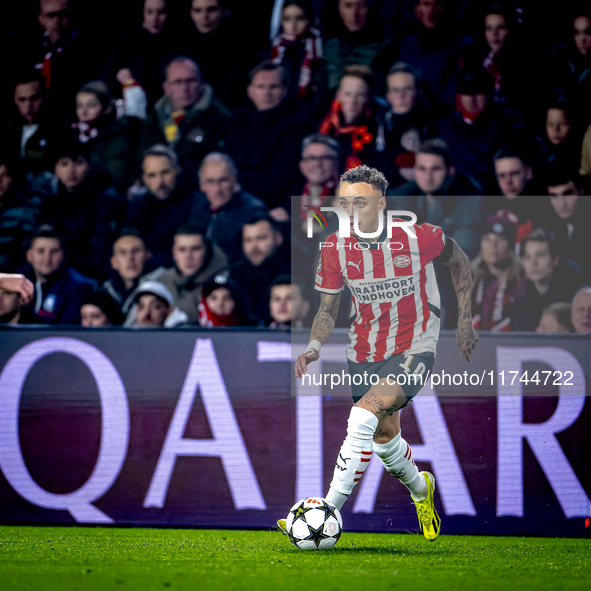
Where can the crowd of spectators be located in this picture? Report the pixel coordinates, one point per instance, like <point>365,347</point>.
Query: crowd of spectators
<point>157,158</point>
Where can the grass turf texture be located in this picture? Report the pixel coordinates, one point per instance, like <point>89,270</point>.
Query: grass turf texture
<point>71,558</point>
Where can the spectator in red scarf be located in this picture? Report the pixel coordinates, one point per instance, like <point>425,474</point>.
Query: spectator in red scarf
<point>220,304</point>
<point>65,57</point>
<point>298,48</point>
<point>496,274</point>
<point>500,51</point>
<point>112,140</point>
<point>352,116</point>
<point>479,127</point>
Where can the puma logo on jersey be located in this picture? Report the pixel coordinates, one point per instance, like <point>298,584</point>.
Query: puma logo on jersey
<point>356,265</point>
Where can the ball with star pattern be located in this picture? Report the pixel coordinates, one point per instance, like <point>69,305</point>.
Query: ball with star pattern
<point>314,524</point>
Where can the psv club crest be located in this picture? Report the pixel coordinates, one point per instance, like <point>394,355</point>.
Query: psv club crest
<point>402,260</point>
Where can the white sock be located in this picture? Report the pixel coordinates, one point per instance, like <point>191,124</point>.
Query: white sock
<point>354,456</point>
<point>396,455</point>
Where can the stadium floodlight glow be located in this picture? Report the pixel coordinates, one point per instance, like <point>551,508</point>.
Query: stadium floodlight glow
<point>393,217</point>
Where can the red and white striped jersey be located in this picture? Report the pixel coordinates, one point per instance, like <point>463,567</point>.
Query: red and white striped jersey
<point>395,295</point>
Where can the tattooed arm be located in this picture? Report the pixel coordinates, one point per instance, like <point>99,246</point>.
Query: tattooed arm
<point>461,274</point>
<point>321,329</point>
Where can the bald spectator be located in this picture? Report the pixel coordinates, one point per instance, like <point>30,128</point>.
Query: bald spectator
<point>581,311</point>
<point>60,290</point>
<point>556,319</point>
<point>100,310</point>
<point>154,308</point>
<point>165,205</point>
<point>188,118</point>
<point>223,206</point>
<point>263,137</point>
<point>128,265</point>
<point>196,260</point>
<point>265,255</point>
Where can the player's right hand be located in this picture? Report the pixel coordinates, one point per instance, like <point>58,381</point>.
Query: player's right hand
<point>301,366</point>
<point>18,283</point>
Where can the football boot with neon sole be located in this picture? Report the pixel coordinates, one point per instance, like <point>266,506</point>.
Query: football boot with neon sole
<point>429,520</point>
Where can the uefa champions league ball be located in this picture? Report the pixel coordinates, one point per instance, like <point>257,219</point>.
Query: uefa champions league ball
<point>314,524</point>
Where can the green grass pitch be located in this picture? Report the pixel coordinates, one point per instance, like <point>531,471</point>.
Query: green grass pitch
<point>72,558</point>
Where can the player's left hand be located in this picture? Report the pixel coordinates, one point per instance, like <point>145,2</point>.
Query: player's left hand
<point>19,283</point>
<point>466,338</point>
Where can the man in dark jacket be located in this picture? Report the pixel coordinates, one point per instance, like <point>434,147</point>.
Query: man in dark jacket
<point>128,266</point>
<point>196,260</point>
<point>30,131</point>
<point>442,195</point>
<point>187,118</point>
<point>265,256</point>
<point>403,126</point>
<point>222,207</point>
<point>60,290</point>
<point>479,127</point>
<point>19,210</point>
<point>550,278</point>
<point>566,212</point>
<point>264,137</point>
<point>85,208</point>
<point>165,206</point>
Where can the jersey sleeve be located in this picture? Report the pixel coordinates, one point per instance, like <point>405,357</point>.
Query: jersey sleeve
<point>329,278</point>
<point>431,242</point>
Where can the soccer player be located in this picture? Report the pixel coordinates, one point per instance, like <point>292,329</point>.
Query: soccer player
<point>395,332</point>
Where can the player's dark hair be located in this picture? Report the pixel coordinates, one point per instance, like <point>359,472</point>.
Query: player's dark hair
<point>365,174</point>
<point>47,231</point>
<point>540,235</point>
<point>437,147</point>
